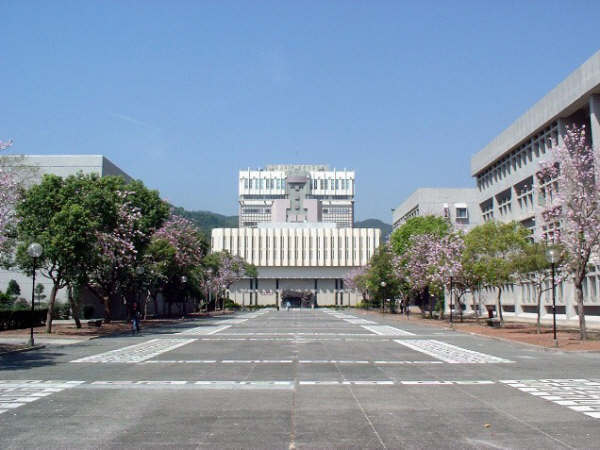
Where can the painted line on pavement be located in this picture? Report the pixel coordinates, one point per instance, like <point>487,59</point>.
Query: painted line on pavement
<point>450,353</point>
<point>16,393</point>
<point>202,331</point>
<point>386,330</point>
<point>578,394</point>
<point>136,353</point>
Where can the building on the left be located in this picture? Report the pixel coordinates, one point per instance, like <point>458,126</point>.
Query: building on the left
<point>31,169</point>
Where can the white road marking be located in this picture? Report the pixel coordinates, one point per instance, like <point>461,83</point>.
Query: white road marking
<point>136,353</point>
<point>359,321</point>
<point>16,393</point>
<point>578,394</point>
<point>386,330</point>
<point>451,353</point>
<point>228,322</point>
<point>206,330</point>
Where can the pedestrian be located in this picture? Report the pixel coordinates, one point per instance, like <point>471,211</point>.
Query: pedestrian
<point>135,318</point>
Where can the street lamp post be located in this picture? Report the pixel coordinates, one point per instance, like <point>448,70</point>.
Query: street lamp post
<point>35,251</point>
<point>383,284</point>
<point>552,258</point>
<point>183,281</point>
<point>451,298</point>
<point>139,270</point>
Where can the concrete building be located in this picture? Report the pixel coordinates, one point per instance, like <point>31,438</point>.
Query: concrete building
<point>296,226</point>
<point>31,169</point>
<point>296,194</point>
<point>505,173</point>
<point>458,205</point>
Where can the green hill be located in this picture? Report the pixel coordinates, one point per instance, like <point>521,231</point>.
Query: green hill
<point>386,229</point>
<point>206,220</point>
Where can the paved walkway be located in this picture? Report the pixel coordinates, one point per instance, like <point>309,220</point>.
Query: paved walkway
<point>299,379</point>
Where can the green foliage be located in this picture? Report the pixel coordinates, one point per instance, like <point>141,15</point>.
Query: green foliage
<point>15,318</point>
<point>434,225</point>
<point>13,289</point>
<point>6,301</point>
<point>39,292</point>
<point>230,304</point>
<point>492,251</point>
<point>381,269</point>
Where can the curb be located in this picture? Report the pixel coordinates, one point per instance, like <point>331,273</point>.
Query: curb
<point>22,350</point>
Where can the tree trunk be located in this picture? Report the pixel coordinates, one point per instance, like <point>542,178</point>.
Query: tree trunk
<point>107,312</point>
<point>51,308</point>
<point>580,312</point>
<point>74,307</point>
<point>539,309</point>
<point>499,306</point>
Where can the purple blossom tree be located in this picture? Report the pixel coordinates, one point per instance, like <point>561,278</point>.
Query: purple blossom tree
<point>356,278</point>
<point>8,199</point>
<point>568,185</point>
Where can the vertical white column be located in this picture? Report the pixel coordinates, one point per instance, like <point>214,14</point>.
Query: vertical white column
<point>595,120</point>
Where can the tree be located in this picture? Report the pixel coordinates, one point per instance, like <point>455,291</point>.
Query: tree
<point>431,261</point>
<point>432,225</point>
<point>531,266</point>
<point>568,185</point>
<point>13,289</point>
<point>8,198</point>
<point>357,279</point>
<point>381,279</point>
<point>490,254</point>
<point>39,292</point>
<point>224,269</point>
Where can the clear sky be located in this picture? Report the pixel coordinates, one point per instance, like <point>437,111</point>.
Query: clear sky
<point>183,94</point>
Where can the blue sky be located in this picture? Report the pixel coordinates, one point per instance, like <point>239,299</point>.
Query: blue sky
<point>182,94</point>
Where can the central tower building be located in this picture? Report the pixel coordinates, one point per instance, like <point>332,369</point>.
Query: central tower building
<point>296,224</point>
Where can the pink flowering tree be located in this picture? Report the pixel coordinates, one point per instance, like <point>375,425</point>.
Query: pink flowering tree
<point>8,199</point>
<point>222,269</point>
<point>568,185</point>
<point>356,278</point>
<point>177,250</point>
<point>116,254</point>
<point>431,261</point>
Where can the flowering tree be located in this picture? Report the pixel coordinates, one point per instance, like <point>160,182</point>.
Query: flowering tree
<point>176,250</point>
<point>8,199</point>
<point>223,269</point>
<point>568,183</point>
<point>116,253</point>
<point>357,279</point>
<point>431,261</point>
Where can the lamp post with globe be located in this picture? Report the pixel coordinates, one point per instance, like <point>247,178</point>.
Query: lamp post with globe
<point>383,284</point>
<point>552,258</point>
<point>35,251</point>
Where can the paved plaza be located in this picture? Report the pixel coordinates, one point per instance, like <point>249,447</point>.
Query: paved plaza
<point>299,379</point>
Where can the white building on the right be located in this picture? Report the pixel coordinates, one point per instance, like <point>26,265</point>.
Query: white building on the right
<point>505,169</point>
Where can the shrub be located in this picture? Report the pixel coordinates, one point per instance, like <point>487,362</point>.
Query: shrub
<point>11,319</point>
<point>230,304</point>
<point>13,289</point>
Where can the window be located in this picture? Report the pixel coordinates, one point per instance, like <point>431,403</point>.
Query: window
<point>245,183</point>
<point>337,184</point>
<point>462,213</point>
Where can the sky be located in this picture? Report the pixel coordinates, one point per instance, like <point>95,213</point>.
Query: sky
<point>183,94</point>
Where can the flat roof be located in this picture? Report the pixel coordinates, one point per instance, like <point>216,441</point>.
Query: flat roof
<point>570,95</point>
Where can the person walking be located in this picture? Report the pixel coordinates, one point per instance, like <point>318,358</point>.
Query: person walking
<point>135,319</point>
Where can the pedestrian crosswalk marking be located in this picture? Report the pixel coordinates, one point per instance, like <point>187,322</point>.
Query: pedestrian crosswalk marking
<point>136,353</point>
<point>450,353</point>
<point>16,393</point>
<point>386,330</point>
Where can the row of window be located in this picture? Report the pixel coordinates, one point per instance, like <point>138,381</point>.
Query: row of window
<point>519,157</point>
<point>324,184</point>
<point>264,183</point>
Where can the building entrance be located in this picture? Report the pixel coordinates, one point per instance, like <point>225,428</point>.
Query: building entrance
<point>297,299</point>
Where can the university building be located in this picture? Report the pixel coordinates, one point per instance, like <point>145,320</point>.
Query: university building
<point>505,170</point>
<point>458,205</point>
<point>296,226</point>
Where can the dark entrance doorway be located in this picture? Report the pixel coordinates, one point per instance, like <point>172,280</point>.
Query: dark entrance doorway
<point>297,299</point>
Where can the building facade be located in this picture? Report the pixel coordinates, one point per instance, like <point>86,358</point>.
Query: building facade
<point>296,226</point>
<point>296,194</point>
<point>458,205</point>
<point>31,169</point>
<point>505,171</point>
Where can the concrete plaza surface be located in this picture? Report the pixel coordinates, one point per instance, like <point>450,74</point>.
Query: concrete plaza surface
<point>299,379</point>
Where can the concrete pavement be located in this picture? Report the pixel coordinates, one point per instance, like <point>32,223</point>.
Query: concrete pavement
<point>299,379</point>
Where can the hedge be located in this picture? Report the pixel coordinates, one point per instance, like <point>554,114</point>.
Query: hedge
<point>12,319</point>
